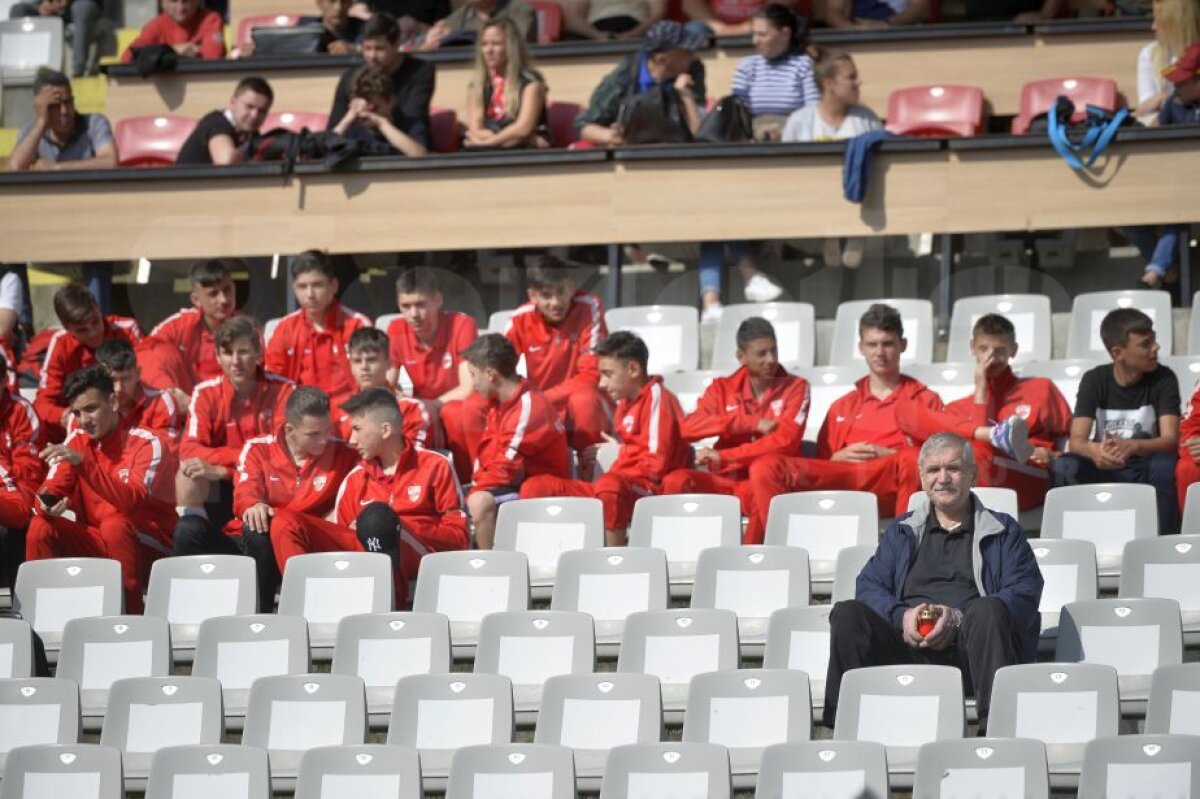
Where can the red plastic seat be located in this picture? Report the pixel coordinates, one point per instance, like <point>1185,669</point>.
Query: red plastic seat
<point>153,140</point>
<point>263,21</point>
<point>936,111</point>
<point>561,118</point>
<point>295,121</point>
<point>549,21</point>
<point>444,135</point>
<point>1037,97</point>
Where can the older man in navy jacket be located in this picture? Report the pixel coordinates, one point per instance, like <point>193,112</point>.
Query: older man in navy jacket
<point>970,566</point>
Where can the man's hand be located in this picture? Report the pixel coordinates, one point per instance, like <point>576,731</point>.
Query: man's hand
<point>860,453</point>
<point>944,631</point>
<point>257,518</point>
<point>47,97</point>
<point>340,47</point>
<point>683,83</point>
<point>187,49</point>
<point>433,37</point>
<point>981,373</point>
<point>197,469</point>
<point>60,453</point>
<point>57,509</point>
<point>1042,456</point>
<point>181,397</point>
<point>908,626</point>
<point>1106,455</point>
<point>708,458</point>
<point>1193,447</point>
<point>766,426</point>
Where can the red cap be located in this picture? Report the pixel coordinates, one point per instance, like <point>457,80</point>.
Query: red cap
<point>1186,66</point>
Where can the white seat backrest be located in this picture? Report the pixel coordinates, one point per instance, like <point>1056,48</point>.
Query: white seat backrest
<point>917,316</point>
<point>1089,309</point>
<point>1029,314</point>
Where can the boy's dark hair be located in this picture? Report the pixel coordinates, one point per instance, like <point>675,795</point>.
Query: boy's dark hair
<point>492,351</point>
<point>1119,324</point>
<point>116,355</point>
<point>368,339</point>
<point>371,83</point>
<point>418,280</point>
<point>624,346</point>
<point>752,329</point>
<point>382,25</point>
<point>255,84</point>
<point>73,303</point>
<point>547,272</point>
<point>994,324</point>
<point>311,261</point>
<point>881,317</point>
<point>79,381</point>
<point>234,328</point>
<point>306,401</point>
<point>371,400</point>
<point>210,272</point>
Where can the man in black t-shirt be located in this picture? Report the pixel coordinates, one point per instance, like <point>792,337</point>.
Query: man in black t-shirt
<point>412,80</point>
<point>221,137</point>
<point>1126,423</point>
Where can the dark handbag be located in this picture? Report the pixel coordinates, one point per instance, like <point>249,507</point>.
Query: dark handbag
<point>299,40</point>
<point>729,121</point>
<point>654,117</point>
<point>155,58</point>
<point>333,149</point>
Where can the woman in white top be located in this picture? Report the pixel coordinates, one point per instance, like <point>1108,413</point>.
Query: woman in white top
<point>1176,26</point>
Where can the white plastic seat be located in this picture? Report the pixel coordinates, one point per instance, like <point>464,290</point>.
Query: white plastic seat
<point>532,646</point>
<point>100,650</point>
<point>684,525</point>
<point>1191,510</point>
<point>849,769</point>
<point>1064,373</point>
<point>640,771</point>
<point>27,44</point>
<point>1003,500</point>
<point>1193,346</point>
<point>16,648</point>
<point>362,770</point>
<point>1187,373</point>
<point>1068,568</point>
<point>688,387</point>
<point>384,321</point>
<point>293,713</point>
<point>850,561</point>
<point>437,714</point>
<point>753,582</point>
<point>1167,567</point>
<point>498,321</point>
<point>530,771</point>
<point>146,714</point>
<point>326,587</point>
<point>671,334</point>
<point>49,593</point>
<point>237,650</point>
<point>1174,706</point>
<point>903,708</point>
<point>1089,309</point>
<point>187,590</point>
<point>1004,768</point>
<point>1029,314</point>
<point>383,647</point>
<point>1134,636</point>
<point>1107,514</point>
<point>544,529</point>
<point>798,639</point>
<point>951,381</point>
<point>795,333</point>
<point>609,584</point>
<point>466,586</point>
<point>592,713</point>
<point>825,385</point>
<point>231,771</point>
<point>78,771</point>
<point>269,328</point>
<point>917,316</point>
<point>1141,765</point>
<point>823,523</point>
<point>36,711</point>
<point>676,645</point>
<point>746,711</point>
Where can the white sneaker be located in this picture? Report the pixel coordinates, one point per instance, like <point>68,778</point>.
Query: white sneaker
<point>853,255</point>
<point>833,253</point>
<point>760,289</point>
<point>712,313</point>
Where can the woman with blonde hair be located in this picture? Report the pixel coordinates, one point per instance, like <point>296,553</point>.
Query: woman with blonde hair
<point>506,99</point>
<point>1176,25</point>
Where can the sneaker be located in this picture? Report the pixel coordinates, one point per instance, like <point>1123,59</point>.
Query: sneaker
<point>760,289</point>
<point>833,253</point>
<point>852,256</point>
<point>658,262</point>
<point>1012,438</point>
<point>712,313</point>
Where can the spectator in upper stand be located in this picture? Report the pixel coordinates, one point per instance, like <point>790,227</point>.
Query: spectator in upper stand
<point>1176,26</point>
<point>506,99</point>
<point>412,80</point>
<point>87,26</point>
<point>367,118</point>
<point>1028,12</point>
<point>59,138</point>
<point>1184,106</point>
<point>222,137</point>
<point>875,13</point>
<point>342,31</point>
<point>466,22</point>
<point>667,57</point>
<point>724,17</point>
<point>611,19</point>
<point>72,348</point>
<point>1126,423</point>
<point>187,27</point>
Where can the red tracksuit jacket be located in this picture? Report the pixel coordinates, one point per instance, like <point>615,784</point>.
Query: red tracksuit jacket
<point>729,410</point>
<point>155,410</point>
<point>22,439</point>
<point>267,473</point>
<point>1189,425</point>
<point>859,417</point>
<point>219,424</point>
<point>559,358</point>
<point>186,332</point>
<point>131,471</point>
<point>206,29</point>
<point>648,428</point>
<point>1035,399</point>
<point>433,370</point>
<point>64,355</point>
<point>311,357</point>
<point>418,427</point>
<point>422,491</point>
<point>523,438</point>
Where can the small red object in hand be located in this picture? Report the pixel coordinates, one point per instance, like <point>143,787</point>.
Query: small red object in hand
<point>926,621</point>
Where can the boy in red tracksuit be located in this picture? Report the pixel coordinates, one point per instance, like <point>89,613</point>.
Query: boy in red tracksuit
<point>72,348</point>
<point>117,480</point>
<point>369,366</point>
<point>140,406</point>
<point>1187,468</point>
<point>22,435</point>
<point>225,413</point>
<point>523,436</point>
<point>1015,423</point>
<point>190,332</point>
<point>309,345</point>
<point>557,332</point>
<point>398,500</point>
<point>860,446</point>
<point>648,419</point>
<point>759,410</point>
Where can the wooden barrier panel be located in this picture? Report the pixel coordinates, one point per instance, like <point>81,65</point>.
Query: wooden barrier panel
<point>998,59</point>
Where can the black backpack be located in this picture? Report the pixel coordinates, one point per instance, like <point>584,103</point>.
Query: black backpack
<point>729,121</point>
<point>654,117</point>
